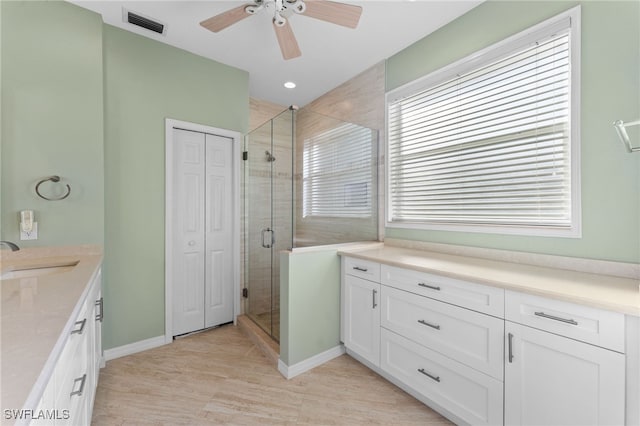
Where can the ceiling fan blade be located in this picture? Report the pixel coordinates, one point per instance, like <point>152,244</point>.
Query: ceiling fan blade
<point>287,41</point>
<point>225,19</point>
<point>347,15</point>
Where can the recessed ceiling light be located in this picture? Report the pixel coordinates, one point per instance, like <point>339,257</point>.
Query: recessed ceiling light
<point>290,85</point>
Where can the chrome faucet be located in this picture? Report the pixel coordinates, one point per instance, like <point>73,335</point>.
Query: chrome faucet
<point>9,244</point>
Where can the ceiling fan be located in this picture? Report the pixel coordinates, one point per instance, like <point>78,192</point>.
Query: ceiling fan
<point>343,14</point>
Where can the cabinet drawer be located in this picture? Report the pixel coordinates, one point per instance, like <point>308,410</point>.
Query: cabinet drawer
<point>481,298</point>
<point>71,381</point>
<point>473,396</point>
<point>362,268</point>
<point>466,336</point>
<point>590,325</point>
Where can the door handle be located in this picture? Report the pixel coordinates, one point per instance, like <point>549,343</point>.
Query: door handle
<point>272,240</point>
<point>510,338</point>
<point>100,304</point>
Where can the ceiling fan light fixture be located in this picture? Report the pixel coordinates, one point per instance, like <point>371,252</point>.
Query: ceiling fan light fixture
<point>298,6</point>
<point>279,21</point>
<point>252,9</point>
<point>290,85</point>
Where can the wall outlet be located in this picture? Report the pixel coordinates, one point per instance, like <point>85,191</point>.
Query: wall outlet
<point>33,235</point>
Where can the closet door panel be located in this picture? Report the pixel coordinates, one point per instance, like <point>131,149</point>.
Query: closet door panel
<point>218,232</point>
<point>188,236</point>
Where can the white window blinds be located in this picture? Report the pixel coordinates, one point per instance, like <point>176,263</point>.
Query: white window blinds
<point>339,172</point>
<point>490,146</point>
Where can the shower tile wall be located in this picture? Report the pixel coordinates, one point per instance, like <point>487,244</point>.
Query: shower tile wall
<point>359,101</point>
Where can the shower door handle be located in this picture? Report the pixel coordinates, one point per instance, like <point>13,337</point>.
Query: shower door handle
<point>271,241</point>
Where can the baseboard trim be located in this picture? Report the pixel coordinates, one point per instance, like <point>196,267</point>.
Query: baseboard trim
<point>294,370</point>
<point>133,348</point>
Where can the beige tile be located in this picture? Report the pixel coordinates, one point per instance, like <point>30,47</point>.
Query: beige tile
<point>221,377</point>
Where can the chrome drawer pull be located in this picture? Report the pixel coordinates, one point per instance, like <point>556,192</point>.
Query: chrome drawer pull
<point>568,321</point>
<point>436,378</point>
<point>82,381</point>
<point>432,287</point>
<point>423,322</point>
<point>81,329</point>
<point>357,268</point>
<point>374,299</point>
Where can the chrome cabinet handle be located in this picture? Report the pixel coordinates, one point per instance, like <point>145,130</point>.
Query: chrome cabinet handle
<point>510,336</point>
<point>81,329</point>
<point>374,299</point>
<point>82,381</point>
<point>357,268</point>
<point>555,318</point>
<point>432,287</point>
<point>100,305</point>
<point>423,322</point>
<point>431,376</point>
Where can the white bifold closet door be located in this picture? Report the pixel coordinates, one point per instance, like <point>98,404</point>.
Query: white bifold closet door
<point>202,236</point>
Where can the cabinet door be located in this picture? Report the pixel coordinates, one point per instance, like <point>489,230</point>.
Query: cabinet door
<point>362,318</point>
<point>553,380</point>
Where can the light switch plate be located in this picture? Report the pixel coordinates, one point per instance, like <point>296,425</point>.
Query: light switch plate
<point>33,235</point>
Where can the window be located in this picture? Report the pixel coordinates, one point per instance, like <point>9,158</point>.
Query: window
<point>339,172</point>
<point>490,143</point>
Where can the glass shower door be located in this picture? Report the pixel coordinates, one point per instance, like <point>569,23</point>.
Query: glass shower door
<point>268,221</point>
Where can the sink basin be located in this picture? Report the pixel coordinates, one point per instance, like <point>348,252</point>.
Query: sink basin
<point>36,272</point>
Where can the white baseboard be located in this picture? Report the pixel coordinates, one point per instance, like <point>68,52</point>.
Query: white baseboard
<point>292,371</point>
<point>133,348</point>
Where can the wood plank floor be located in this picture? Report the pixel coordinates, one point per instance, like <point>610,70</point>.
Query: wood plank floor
<point>220,377</point>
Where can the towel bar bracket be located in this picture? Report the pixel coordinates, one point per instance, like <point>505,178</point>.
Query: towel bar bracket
<point>620,127</point>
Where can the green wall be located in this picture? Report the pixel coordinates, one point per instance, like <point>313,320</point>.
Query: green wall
<point>309,304</point>
<point>88,101</point>
<point>146,82</point>
<point>52,120</point>
<point>610,72</point>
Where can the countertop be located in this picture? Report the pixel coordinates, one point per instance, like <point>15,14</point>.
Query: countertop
<point>600,291</point>
<point>37,314</point>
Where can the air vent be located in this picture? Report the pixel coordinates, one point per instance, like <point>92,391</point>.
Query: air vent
<point>144,22</point>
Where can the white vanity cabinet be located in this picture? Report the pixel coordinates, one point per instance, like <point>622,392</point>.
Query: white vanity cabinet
<point>564,363</point>
<point>361,311</point>
<point>68,396</point>
<point>488,355</point>
<point>431,335</point>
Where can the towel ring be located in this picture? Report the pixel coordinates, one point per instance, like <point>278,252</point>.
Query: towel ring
<point>52,179</point>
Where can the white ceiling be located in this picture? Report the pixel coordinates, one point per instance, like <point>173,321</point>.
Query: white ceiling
<point>331,54</point>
